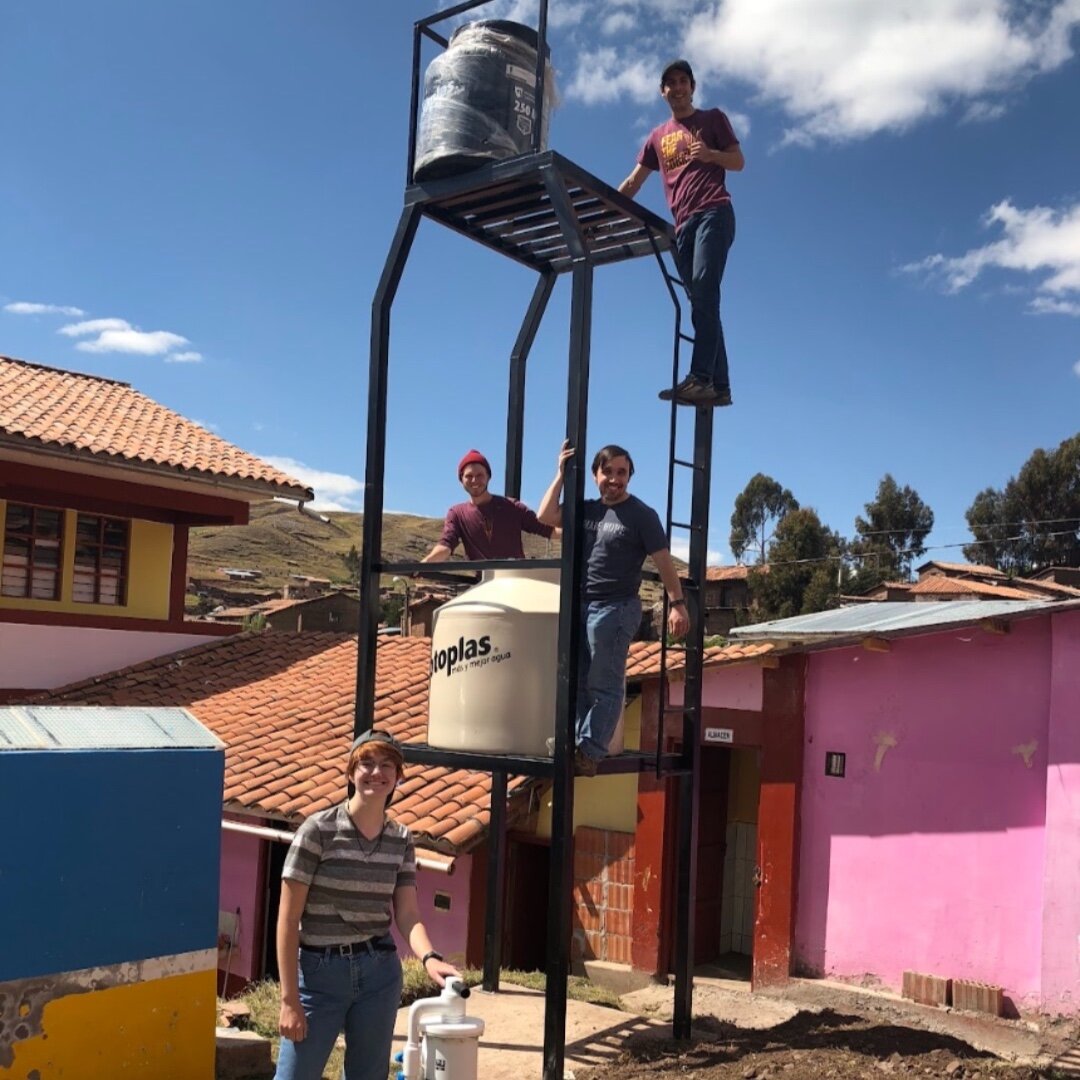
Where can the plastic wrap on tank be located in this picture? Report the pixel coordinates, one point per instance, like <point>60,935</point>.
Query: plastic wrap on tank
<point>479,101</point>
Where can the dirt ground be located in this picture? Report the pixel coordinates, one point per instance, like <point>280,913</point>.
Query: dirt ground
<point>812,1029</point>
<point>809,1046</point>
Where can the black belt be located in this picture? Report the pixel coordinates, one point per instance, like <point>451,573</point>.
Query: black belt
<point>372,945</point>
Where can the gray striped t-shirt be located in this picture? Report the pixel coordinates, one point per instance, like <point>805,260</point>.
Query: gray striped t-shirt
<point>350,887</point>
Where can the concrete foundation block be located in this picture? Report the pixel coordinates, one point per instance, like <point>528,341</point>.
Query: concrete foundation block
<point>242,1055</point>
<point>619,978</point>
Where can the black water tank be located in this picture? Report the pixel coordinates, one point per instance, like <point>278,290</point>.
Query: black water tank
<point>480,100</point>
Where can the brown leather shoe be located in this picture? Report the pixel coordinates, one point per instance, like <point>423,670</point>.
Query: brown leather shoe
<point>689,391</point>
<point>583,764</point>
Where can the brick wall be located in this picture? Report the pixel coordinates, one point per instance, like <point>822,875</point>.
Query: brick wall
<point>603,895</point>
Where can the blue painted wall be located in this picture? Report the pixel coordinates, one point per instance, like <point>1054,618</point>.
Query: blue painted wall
<point>108,856</point>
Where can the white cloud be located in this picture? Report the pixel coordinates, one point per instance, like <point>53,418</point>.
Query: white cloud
<point>1043,305</point>
<point>1036,241</point>
<point>839,69</point>
<point>846,69</point>
<point>1076,368</point>
<point>680,548</point>
<point>333,491</point>
<point>981,112</point>
<point>184,358</point>
<point>605,75</point>
<point>119,336</point>
<point>561,13</point>
<point>617,22</point>
<point>93,326</point>
<point>25,307</point>
<point>206,424</point>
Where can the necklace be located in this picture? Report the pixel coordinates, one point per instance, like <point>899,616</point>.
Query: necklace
<point>487,524</point>
<point>362,840</point>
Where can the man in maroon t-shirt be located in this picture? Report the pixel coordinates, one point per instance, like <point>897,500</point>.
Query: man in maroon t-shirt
<point>693,150</point>
<point>488,526</point>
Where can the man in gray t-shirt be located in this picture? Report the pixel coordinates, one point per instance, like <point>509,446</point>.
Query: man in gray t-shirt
<point>620,531</point>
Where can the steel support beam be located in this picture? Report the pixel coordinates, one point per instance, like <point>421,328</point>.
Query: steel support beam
<point>561,873</point>
<point>690,782</point>
<point>496,883</point>
<point>515,409</point>
<point>376,464</point>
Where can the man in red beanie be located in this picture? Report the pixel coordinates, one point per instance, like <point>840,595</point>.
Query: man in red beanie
<point>488,526</point>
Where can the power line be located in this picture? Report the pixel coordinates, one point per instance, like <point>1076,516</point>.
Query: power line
<point>860,556</point>
<point>988,525</point>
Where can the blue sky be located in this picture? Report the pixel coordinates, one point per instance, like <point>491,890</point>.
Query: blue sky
<point>220,183</point>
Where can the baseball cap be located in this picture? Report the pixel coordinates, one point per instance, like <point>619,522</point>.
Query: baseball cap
<point>677,65</point>
<point>473,457</point>
<point>378,738</point>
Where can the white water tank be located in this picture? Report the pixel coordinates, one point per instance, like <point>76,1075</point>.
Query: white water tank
<point>494,666</point>
<point>494,663</point>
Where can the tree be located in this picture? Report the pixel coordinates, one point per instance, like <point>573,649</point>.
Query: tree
<point>391,608</point>
<point>1034,521</point>
<point>891,535</point>
<point>352,563</point>
<point>759,509</point>
<point>805,562</point>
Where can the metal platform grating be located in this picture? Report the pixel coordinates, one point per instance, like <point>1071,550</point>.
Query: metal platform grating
<point>543,210</point>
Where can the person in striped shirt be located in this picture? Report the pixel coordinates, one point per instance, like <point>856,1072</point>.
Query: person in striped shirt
<point>349,869</point>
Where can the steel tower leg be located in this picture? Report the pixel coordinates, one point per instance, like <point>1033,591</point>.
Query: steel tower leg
<point>371,556</point>
<point>515,411</point>
<point>561,874</point>
<point>690,783</point>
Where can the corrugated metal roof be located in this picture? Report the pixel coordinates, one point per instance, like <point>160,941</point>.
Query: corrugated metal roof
<point>883,619</point>
<point>85,727</point>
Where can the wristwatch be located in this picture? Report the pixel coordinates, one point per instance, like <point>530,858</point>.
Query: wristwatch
<point>430,955</point>
<point>681,602</point>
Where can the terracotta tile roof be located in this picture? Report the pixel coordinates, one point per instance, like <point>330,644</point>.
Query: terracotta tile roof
<point>109,421</point>
<point>1043,587</point>
<point>733,573</point>
<point>644,658</point>
<point>940,585</point>
<point>283,706</point>
<point>979,569</point>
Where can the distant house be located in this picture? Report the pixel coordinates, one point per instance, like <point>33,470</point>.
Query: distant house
<point>303,587</point>
<point>422,608</point>
<point>236,574</point>
<point>942,581</point>
<point>727,596</point>
<point>939,795</point>
<point>99,486</point>
<point>338,612</point>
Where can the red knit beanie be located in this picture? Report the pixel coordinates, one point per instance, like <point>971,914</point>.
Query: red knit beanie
<point>473,457</point>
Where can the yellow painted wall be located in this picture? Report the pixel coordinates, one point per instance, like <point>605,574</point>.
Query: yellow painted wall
<point>603,802</point>
<point>157,1030</point>
<point>744,786</point>
<point>149,570</point>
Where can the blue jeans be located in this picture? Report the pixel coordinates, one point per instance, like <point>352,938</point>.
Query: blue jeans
<point>701,250</point>
<point>609,627</point>
<point>359,994</point>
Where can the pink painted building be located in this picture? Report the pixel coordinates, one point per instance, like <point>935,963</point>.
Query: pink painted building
<point>950,844</point>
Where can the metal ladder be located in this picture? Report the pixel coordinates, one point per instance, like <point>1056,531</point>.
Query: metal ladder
<point>689,777</point>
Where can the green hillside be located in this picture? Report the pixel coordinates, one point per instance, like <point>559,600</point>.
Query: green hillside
<point>280,541</point>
